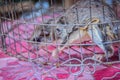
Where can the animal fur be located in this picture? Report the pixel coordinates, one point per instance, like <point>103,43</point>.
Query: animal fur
<point>83,12</point>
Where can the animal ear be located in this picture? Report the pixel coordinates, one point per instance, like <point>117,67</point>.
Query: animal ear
<point>36,33</point>
<point>63,20</point>
<point>44,33</point>
<point>50,21</point>
<point>53,33</point>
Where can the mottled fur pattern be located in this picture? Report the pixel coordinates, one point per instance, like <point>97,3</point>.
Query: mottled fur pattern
<point>82,13</point>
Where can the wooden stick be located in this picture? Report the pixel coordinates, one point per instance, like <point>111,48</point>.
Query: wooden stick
<point>19,7</point>
<point>68,3</point>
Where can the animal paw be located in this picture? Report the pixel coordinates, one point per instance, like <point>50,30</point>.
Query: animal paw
<point>98,57</point>
<point>55,53</point>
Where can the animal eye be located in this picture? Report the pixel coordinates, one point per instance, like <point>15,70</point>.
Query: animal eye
<point>58,30</point>
<point>97,5</point>
<point>38,39</point>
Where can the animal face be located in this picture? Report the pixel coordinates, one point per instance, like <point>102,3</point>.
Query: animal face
<point>46,34</point>
<point>40,33</point>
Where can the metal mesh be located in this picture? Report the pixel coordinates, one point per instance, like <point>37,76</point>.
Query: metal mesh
<point>52,36</point>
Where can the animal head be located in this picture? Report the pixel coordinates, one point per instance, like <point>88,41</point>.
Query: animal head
<point>41,34</point>
<point>45,34</point>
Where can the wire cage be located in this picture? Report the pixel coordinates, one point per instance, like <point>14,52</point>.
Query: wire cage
<point>52,35</point>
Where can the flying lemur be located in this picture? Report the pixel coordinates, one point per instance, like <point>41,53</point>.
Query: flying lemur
<point>86,19</point>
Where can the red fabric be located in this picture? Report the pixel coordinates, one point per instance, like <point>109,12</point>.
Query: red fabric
<point>13,69</point>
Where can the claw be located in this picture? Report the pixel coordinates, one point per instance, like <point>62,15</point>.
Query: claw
<point>55,53</point>
<point>57,64</point>
<point>98,57</point>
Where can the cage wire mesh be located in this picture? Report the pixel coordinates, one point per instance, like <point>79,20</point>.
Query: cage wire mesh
<point>50,36</point>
